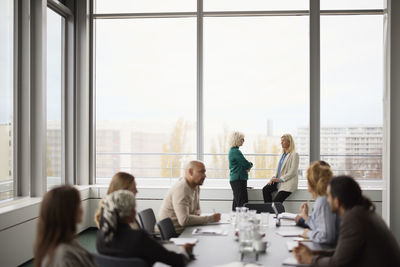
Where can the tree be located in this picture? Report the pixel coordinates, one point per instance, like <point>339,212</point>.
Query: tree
<point>219,166</point>
<point>171,165</point>
<point>264,166</point>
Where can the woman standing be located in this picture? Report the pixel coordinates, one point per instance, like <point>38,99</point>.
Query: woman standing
<point>323,224</point>
<point>55,245</point>
<point>239,170</point>
<point>286,178</point>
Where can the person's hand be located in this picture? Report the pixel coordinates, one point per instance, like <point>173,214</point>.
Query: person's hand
<point>304,234</point>
<point>304,210</point>
<point>273,180</point>
<point>302,254</point>
<point>217,217</point>
<point>189,249</point>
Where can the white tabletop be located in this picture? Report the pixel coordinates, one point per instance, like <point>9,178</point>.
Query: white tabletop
<point>224,249</point>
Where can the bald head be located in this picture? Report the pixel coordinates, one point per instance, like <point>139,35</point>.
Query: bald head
<point>195,173</point>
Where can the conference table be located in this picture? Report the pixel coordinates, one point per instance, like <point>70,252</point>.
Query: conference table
<point>212,250</point>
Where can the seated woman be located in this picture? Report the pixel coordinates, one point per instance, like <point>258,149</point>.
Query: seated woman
<point>117,238</point>
<point>120,180</point>
<point>323,224</point>
<point>55,244</point>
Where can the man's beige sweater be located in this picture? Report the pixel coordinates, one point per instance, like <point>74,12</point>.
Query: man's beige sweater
<point>182,205</point>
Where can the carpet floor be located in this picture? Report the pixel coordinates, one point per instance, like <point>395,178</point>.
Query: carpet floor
<point>86,239</point>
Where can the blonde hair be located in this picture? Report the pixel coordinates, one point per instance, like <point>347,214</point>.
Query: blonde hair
<point>120,181</point>
<point>235,139</point>
<point>318,176</point>
<point>289,138</point>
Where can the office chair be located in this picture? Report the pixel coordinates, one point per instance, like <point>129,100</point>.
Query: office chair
<point>110,261</point>
<point>265,207</point>
<point>167,229</point>
<point>148,221</point>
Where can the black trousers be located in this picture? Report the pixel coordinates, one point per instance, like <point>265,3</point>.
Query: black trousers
<point>269,189</point>
<point>239,189</point>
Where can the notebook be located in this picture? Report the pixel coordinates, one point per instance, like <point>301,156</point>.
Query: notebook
<point>291,244</point>
<point>291,261</point>
<point>287,215</point>
<point>199,231</point>
<point>290,232</point>
<point>182,240</point>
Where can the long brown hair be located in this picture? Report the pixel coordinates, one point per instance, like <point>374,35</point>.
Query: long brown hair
<point>120,180</point>
<point>58,217</point>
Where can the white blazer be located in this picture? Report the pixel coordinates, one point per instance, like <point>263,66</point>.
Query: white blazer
<point>289,173</point>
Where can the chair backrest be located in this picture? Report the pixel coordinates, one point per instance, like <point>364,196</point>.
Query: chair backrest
<point>110,261</point>
<point>147,220</point>
<point>167,229</point>
<point>265,207</point>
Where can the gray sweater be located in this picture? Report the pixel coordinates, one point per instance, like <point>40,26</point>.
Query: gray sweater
<point>69,255</point>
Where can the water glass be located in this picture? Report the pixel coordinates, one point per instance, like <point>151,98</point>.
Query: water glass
<point>252,214</point>
<point>246,237</point>
<point>264,219</point>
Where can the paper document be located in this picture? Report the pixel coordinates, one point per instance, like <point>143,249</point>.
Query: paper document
<point>291,245</point>
<point>172,247</point>
<point>302,239</point>
<point>238,264</point>
<point>290,232</point>
<point>199,231</point>
<point>291,261</point>
<point>286,222</point>
<point>220,222</point>
<point>182,240</point>
<point>287,215</point>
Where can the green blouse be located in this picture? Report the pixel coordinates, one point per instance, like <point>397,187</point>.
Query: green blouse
<point>238,165</point>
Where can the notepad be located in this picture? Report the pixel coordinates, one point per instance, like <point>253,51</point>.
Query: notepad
<point>291,261</point>
<point>291,244</point>
<point>290,232</point>
<point>287,215</point>
<point>183,240</point>
<point>286,222</point>
<point>199,231</point>
<point>220,222</point>
<point>302,239</point>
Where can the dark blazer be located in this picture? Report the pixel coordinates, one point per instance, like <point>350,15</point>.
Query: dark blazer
<point>137,243</point>
<point>364,240</point>
<point>238,165</point>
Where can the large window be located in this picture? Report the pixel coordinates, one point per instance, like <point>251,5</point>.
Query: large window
<point>256,73</point>
<point>145,96</point>
<point>55,81</point>
<point>352,94</point>
<point>138,6</point>
<point>6,98</point>
<point>252,72</point>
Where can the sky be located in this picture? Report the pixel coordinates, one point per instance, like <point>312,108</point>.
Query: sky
<point>6,57</point>
<point>255,69</point>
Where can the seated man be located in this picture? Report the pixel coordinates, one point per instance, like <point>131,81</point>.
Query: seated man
<point>182,203</point>
<point>364,238</point>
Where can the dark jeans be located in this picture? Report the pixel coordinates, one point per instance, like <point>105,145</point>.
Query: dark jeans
<point>239,189</point>
<point>267,193</point>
